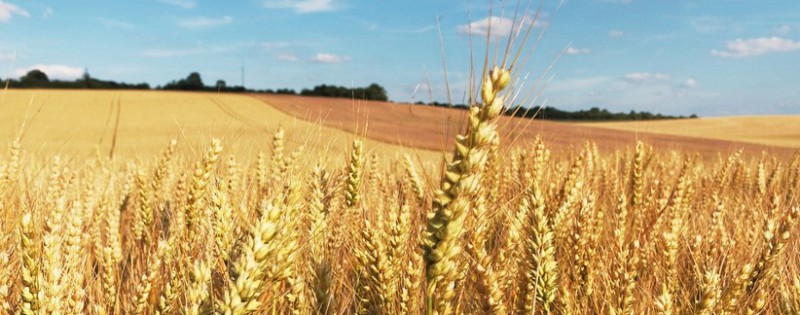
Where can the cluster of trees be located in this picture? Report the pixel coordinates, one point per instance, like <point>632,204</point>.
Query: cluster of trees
<point>372,92</point>
<point>193,82</point>
<point>552,113</point>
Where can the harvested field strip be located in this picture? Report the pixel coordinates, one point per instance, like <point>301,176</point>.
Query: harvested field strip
<point>433,128</point>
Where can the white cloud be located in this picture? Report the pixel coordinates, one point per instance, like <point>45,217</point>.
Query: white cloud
<point>616,33</point>
<point>499,26</point>
<point>287,57</point>
<point>741,48</point>
<point>7,10</point>
<point>48,12</point>
<point>577,51</point>
<point>59,72</point>
<point>328,58</point>
<point>579,84</point>
<point>302,6</point>
<point>690,83</point>
<point>646,77</point>
<point>204,22</point>
<point>785,29</point>
<point>186,4</point>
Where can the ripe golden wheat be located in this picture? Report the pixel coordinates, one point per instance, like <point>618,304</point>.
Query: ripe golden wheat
<point>628,232</point>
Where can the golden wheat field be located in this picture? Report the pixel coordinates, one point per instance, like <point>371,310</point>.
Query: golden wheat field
<point>84,124</point>
<point>783,131</point>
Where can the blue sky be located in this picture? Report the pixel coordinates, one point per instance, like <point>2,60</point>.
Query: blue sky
<point>709,57</point>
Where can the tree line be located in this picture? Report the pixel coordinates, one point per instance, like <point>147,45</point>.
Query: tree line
<point>38,79</point>
<point>371,92</point>
<point>592,114</point>
<point>552,113</point>
<point>193,82</point>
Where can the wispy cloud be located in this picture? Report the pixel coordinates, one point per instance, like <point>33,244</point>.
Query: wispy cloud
<point>635,90</point>
<point>204,22</point>
<point>577,51</point>
<point>328,58</point>
<point>280,50</point>
<point>784,29</point>
<point>646,85</point>
<point>420,30</point>
<point>287,57</point>
<point>198,50</point>
<point>646,77</point>
<point>53,71</point>
<point>7,56</point>
<point>690,83</point>
<point>616,33</point>
<point>186,4</point>
<point>48,12</point>
<point>113,23</point>
<point>708,23</point>
<point>166,53</point>
<point>498,26</point>
<point>578,84</point>
<point>302,6</point>
<point>8,10</point>
<point>740,48</point>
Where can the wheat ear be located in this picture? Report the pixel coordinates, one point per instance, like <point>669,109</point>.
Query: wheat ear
<point>442,239</point>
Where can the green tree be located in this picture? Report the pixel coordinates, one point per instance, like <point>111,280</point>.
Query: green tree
<point>193,82</point>
<point>86,79</point>
<point>35,78</point>
<point>376,92</point>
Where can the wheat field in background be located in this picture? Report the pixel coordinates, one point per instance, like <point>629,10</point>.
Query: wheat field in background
<point>80,124</point>
<point>783,131</point>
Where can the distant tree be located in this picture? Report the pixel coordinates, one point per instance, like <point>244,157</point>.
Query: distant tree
<point>285,91</point>
<point>221,85</point>
<point>86,79</point>
<point>193,82</point>
<point>376,92</point>
<point>35,78</point>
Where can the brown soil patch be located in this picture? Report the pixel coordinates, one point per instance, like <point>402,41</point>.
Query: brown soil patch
<point>433,128</point>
